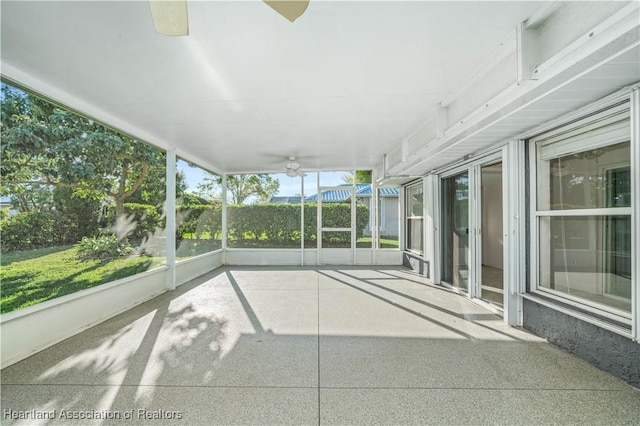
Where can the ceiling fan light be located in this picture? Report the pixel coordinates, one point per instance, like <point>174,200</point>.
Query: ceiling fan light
<point>291,173</point>
<point>293,165</point>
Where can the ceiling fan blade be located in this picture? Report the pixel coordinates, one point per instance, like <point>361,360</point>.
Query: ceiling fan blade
<point>290,9</point>
<point>170,17</point>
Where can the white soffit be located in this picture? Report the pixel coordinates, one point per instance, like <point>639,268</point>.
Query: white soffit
<point>599,82</point>
<point>246,88</point>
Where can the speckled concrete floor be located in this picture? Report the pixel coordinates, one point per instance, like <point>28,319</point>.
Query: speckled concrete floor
<point>311,346</point>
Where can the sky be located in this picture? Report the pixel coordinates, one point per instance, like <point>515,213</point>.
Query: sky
<point>288,185</point>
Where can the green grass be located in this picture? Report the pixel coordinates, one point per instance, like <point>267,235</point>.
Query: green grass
<point>34,276</point>
<point>365,242</point>
<point>191,247</point>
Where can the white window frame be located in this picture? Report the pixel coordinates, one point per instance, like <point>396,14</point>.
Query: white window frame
<point>406,189</point>
<point>604,125</point>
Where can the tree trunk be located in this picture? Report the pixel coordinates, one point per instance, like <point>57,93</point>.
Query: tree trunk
<point>121,220</point>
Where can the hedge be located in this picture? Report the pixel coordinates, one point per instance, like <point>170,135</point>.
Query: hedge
<point>199,219</point>
<point>32,230</point>
<point>281,222</point>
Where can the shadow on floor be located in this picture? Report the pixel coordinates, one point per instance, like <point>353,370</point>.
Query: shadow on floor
<point>205,351</point>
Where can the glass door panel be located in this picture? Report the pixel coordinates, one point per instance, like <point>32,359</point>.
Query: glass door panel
<point>455,231</point>
<point>492,267</point>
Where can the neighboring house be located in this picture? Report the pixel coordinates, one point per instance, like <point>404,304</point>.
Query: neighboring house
<point>5,204</point>
<point>389,212</point>
<point>285,199</point>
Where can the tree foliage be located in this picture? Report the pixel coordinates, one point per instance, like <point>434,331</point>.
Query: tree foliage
<point>362,176</point>
<point>43,144</point>
<point>241,188</point>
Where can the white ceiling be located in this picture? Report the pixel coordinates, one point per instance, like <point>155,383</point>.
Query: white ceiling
<point>337,88</point>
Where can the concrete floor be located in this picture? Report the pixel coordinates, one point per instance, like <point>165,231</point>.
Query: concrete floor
<point>309,346</point>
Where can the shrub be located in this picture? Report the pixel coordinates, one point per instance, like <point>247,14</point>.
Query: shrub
<point>200,219</point>
<point>31,230</point>
<point>103,247</point>
<point>142,221</point>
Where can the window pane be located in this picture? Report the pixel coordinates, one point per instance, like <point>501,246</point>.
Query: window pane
<point>198,211</point>
<point>414,235</point>
<point>388,218</point>
<point>84,202</point>
<point>596,178</point>
<point>414,201</point>
<point>588,257</point>
<point>455,230</point>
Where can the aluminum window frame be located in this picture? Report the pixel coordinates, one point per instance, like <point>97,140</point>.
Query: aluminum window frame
<point>407,218</point>
<point>595,123</point>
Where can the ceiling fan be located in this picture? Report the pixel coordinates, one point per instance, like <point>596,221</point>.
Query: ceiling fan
<point>293,168</point>
<point>170,16</point>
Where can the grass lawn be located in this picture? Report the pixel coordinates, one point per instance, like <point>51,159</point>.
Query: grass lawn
<point>192,247</point>
<point>34,276</point>
<point>365,242</point>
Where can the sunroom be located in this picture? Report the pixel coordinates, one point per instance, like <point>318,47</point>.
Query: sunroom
<point>387,177</point>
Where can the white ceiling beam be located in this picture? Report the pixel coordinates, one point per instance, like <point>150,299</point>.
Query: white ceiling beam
<point>527,47</point>
<point>614,35</point>
<point>611,28</point>
<point>442,120</point>
<point>545,11</point>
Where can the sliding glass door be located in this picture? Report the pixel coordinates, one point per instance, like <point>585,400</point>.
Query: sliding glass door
<point>455,231</point>
<point>471,230</point>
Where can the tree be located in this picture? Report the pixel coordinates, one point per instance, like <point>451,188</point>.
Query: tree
<point>362,176</point>
<point>31,198</point>
<point>43,144</point>
<point>241,187</point>
<point>153,191</point>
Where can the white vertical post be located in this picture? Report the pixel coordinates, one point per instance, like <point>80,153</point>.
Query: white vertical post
<point>353,220</point>
<point>170,215</point>
<point>427,227</point>
<point>302,220</point>
<point>402,214</point>
<point>318,218</point>
<point>430,237</point>
<point>437,233</point>
<point>473,250</point>
<point>374,209</point>
<point>513,228</point>
<point>635,212</point>
<point>224,218</point>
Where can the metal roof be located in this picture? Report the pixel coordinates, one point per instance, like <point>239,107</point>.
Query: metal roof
<point>362,190</point>
<point>285,199</point>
